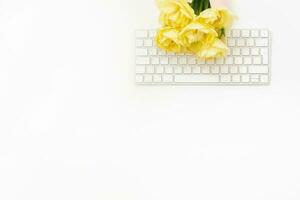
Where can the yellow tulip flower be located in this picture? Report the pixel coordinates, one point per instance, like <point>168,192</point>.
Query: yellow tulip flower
<point>175,13</point>
<point>194,35</point>
<point>218,18</point>
<point>168,39</point>
<point>215,48</point>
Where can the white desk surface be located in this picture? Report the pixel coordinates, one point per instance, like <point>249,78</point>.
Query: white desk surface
<point>74,126</point>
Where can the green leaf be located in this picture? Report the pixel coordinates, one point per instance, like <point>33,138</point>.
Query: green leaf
<point>222,33</point>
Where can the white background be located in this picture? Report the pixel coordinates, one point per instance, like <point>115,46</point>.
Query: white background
<point>74,126</point>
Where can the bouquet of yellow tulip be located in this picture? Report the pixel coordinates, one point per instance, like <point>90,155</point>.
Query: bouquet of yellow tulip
<point>193,27</point>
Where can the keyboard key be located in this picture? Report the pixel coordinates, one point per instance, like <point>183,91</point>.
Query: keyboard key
<point>229,53</point>
<point>168,70</point>
<point>245,33</point>
<point>220,61</point>
<point>187,70</point>
<point>245,78</point>
<point>177,69</point>
<point>215,69</point>
<point>192,61</point>
<point>236,51</point>
<point>205,69</point>
<point>148,43</point>
<point>229,60</point>
<point>264,33</point>
<point>224,69</point>
<point>142,60</point>
<point>257,69</point>
<point>164,60</point>
<point>236,33</point>
<point>241,42</point>
<point>182,60</point>
<point>153,52</point>
<point>264,78</point>
<point>173,60</point>
<point>236,78</point>
<point>168,78</point>
<point>139,79</point>
<point>243,69</point>
<point>254,33</point>
<point>231,42</point>
<point>245,51</point>
<point>159,69</point>
<point>152,34</point>
<point>255,78</point>
<point>234,69</point>
<point>139,43</point>
<point>161,52</point>
<point>255,51</point>
<point>257,60</point>
<point>154,60</point>
<point>265,55</point>
<point>157,78</point>
<point>228,33</point>
<point>248,60</point>
<point>141,52</point>
<point>148,78</point>
<point>150,69</point>
<point>140,69</point>
<point>238,60</point>
<point>225,78</point>
<point>196,70</point>
<point>196,78</point>
<point>262,42</point>
<point>250,42</point>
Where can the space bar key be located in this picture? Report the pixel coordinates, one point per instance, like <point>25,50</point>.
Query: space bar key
<point>196,78</point>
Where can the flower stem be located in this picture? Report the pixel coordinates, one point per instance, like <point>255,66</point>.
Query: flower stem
<point>200,5</point>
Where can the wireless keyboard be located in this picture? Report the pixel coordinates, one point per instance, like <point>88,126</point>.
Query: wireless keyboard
<point>247,63</point>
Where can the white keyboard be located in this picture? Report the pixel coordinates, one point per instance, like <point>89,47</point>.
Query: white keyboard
<point>247,63</point>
